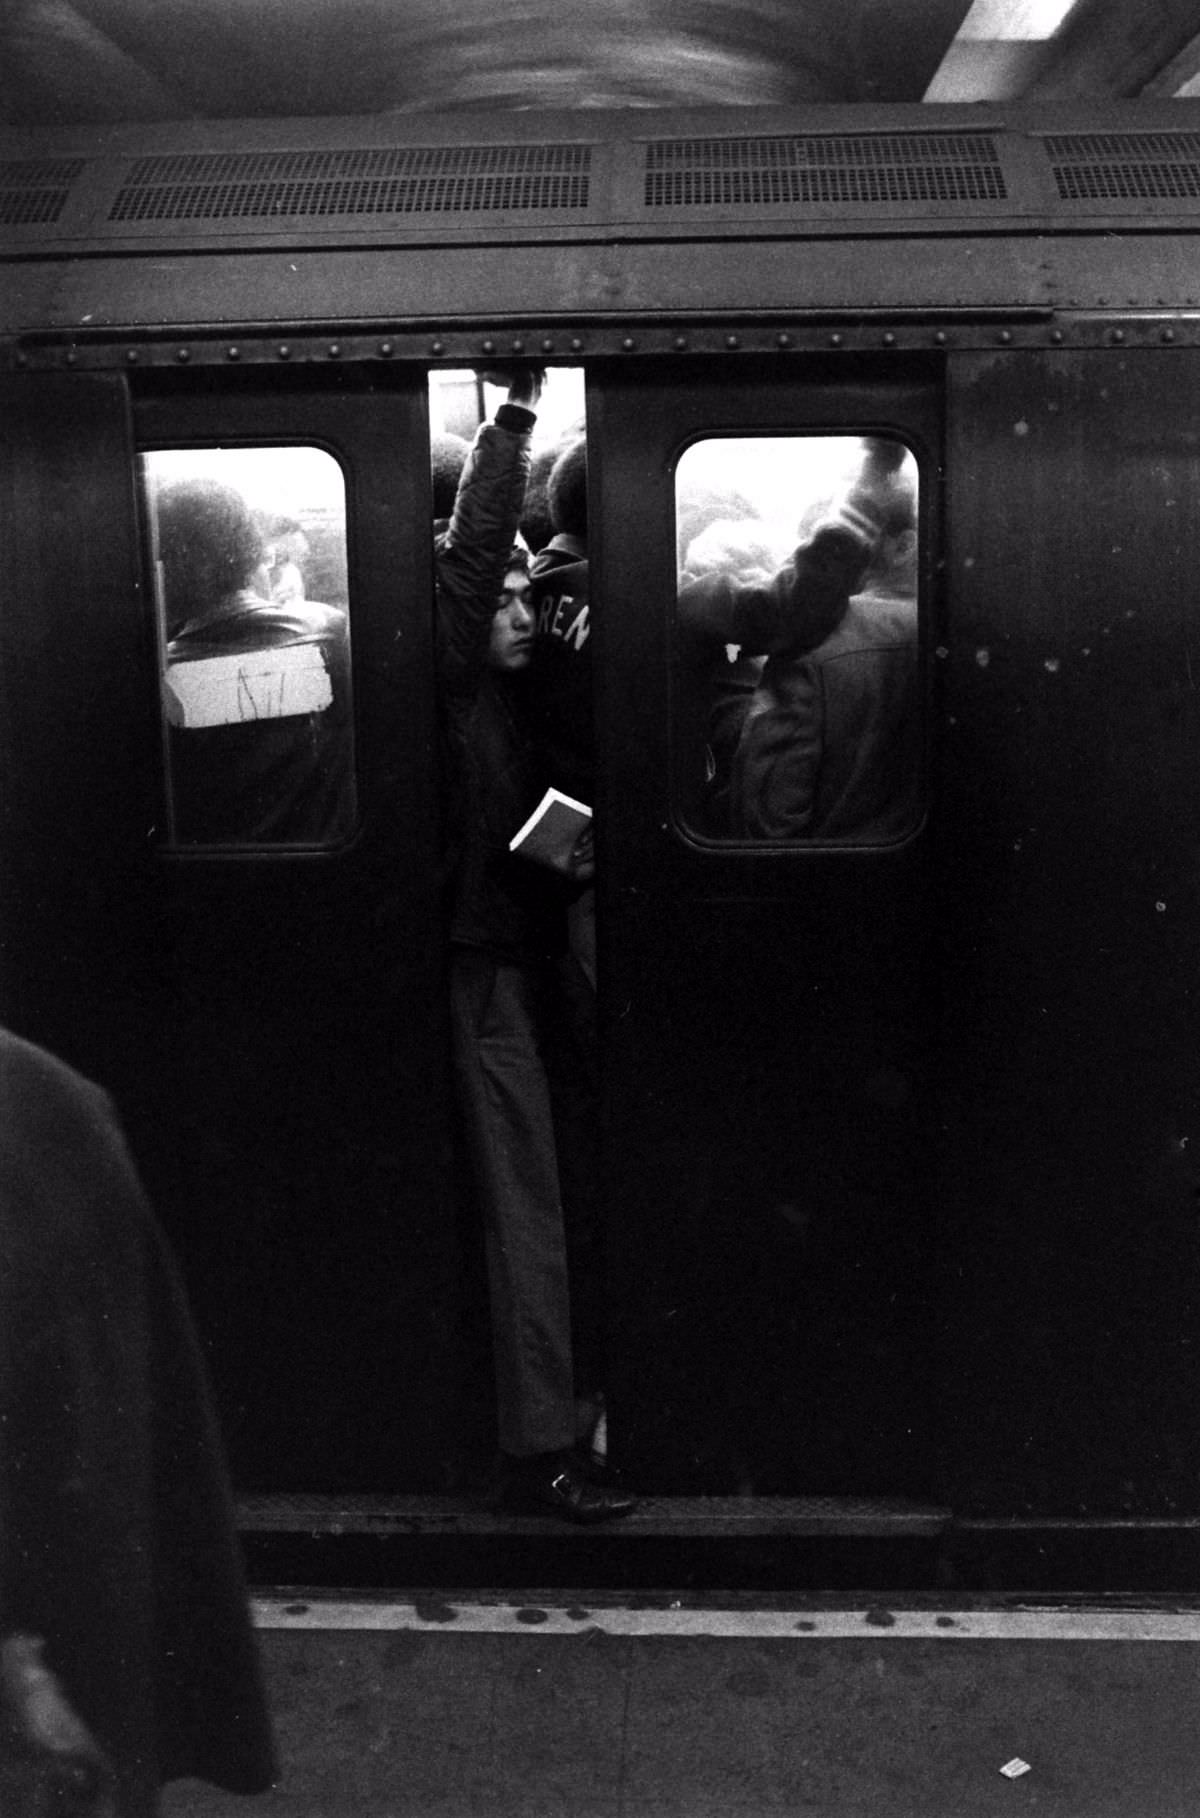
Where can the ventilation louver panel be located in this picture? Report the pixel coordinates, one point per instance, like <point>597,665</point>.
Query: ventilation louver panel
<point>867,169</point>
<point>1125,167</point>
<point>35,190</point>
<point>341,184</point>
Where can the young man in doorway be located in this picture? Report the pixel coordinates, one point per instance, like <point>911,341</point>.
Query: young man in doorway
<point>520,1004</point>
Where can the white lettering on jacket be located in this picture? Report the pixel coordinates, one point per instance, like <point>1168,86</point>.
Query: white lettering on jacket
<point>564,618</point>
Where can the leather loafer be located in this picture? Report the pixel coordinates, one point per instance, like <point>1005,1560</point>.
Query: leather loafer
<point>560,1489</point>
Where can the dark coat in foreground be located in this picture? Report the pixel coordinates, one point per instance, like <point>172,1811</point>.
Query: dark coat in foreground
<point>117,1543</point>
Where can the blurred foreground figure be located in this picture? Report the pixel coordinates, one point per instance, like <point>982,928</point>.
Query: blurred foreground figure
<point>127,1657</point>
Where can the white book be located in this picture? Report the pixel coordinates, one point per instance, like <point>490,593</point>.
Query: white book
<point>550,833</point>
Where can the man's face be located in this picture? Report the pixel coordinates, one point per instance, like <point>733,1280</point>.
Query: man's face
<point>510,647</point>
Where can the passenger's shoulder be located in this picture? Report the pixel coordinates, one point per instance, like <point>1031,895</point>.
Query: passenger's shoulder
<point>68,1192</point>
<point>888,611</point>
<point>558,567</point>
<point>32,1078</point>
<point>305,619</point>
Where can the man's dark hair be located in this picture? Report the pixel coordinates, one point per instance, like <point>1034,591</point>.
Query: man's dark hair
<point>209,545</point>
<point>567,490</point>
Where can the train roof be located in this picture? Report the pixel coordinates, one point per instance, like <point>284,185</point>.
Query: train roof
<point>1013,206</point>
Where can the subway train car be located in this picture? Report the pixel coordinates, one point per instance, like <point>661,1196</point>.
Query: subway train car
<point>901,1114</point>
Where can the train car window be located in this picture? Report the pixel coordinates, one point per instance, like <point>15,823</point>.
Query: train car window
<point>248,551</point>
<point>796,711</point>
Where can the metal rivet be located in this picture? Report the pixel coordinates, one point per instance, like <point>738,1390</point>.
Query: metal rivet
<point>835,340</point>
<point>183,355</point>
<point>940,337</point>
<point>285,352</point>
<point>439,347</point>
<point>489,347</point>
<point>1005,337</point>
<point>72,357</point>
<point>732,342</point>
<point>889,339</point>
<point>1168,334</point>
<point>576,345</point>
<point>784,340</point>
<point>518,347</point>
<point>547,345</point>
<point>1057,336</point>
<point>387,349</point>
<point>680,343</point>
<point>132,356</point>
<point>628,344</point>
<point>233,353</point>
<point>335,350</point>
<point>1118,335</point>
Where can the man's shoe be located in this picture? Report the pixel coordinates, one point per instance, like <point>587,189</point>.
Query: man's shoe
<point>558,1487</point>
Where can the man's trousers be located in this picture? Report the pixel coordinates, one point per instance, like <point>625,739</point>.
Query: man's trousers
<point>524,1059</point>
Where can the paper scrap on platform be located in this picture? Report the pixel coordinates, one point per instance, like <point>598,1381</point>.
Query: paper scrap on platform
<point>1012,1770</point>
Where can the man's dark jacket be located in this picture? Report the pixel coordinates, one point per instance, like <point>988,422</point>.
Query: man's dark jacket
<point>496,774</point>
<point>562,671</point>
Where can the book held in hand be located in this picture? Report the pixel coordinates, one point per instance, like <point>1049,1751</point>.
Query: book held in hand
<point>550,833</point>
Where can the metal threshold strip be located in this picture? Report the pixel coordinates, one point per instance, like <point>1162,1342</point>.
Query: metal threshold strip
<point>672,1517</point>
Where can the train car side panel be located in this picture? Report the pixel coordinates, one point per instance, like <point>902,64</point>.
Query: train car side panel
<point>1067,932</point>
<point>767,1008</point>
<point>268,1017</point>
<point>76,733</point>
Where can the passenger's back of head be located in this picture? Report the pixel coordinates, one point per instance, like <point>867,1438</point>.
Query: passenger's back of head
<point>537,526</point>
<point>447,458</point>
<point>209,546</point>
<point>566,490</point>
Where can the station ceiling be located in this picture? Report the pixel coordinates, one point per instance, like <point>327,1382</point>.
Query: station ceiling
<point>70,62</point>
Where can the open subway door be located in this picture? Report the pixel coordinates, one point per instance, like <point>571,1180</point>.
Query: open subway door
<point>221,885</point>
<point>764,926</point>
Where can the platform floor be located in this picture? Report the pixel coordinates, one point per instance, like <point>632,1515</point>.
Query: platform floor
<point>660,1707</point>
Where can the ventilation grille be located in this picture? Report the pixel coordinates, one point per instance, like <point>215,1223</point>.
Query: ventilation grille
<point>879,168</point>
<point>408,181</point>
<point>1125,167</point>
<point>36,190</point>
